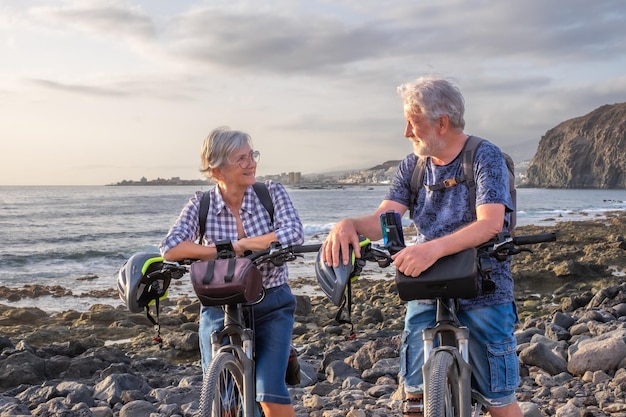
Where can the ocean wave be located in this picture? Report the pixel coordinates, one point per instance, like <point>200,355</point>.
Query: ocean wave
<point>312,229</point>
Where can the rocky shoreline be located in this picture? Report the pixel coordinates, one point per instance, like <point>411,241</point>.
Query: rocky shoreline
<point>104,362</point>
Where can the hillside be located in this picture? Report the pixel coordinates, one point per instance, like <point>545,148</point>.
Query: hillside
<point>584,152</point>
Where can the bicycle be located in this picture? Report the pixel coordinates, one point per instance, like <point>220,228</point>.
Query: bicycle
<point>447,371</point>
<point>228,387</point>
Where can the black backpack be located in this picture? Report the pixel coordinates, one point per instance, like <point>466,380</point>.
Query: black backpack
<point>259,188</point>
<point>469,154</point>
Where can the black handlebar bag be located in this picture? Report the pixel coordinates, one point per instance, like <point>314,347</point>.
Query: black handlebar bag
<point>453,276</point>
<point>226,281</point>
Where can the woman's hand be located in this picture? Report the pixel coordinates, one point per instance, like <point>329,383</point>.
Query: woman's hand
<point>240,246</point>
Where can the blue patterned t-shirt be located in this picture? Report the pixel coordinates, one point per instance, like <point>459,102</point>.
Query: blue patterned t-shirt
<point>442,212</point>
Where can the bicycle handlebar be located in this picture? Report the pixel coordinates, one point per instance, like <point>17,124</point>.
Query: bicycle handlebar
<point>275,254</point>
<point>285,253</point>
<point>533,239</point>
<point>500,247</point>
<point>503,245</point>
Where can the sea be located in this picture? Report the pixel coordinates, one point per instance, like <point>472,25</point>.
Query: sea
<point>78,237</point>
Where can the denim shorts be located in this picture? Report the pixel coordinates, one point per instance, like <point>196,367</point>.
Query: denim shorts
<point>492,344</point>
<point>273,320</point>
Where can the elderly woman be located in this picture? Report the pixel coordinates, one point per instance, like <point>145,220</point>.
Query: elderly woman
<point>237,214</point>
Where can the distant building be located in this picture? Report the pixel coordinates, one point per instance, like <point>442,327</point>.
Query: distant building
<point>294,178</point>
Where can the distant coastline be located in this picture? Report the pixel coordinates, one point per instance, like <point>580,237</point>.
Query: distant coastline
<point>159,181</point>
<point>299,186</point>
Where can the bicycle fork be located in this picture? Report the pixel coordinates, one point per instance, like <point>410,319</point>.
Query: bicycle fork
<point>453,338</point>
<point>238,341</point>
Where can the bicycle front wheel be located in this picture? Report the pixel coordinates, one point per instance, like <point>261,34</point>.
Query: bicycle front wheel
<point>222,388</point>
<point>442,396</point>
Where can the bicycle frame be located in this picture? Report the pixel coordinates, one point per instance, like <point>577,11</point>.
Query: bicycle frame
<point>232,367</point>
<point>454,338</point>
<point>241,345</point>
<point>446,344</point>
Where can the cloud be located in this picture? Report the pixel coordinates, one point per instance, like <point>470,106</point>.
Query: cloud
<point>314,78</point>
<point>82,89</point>
<point>108,18</point>
<point>272,43</point>
<point>114,87</point>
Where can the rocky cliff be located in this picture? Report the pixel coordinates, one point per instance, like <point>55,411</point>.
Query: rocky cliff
<point>584,152</point>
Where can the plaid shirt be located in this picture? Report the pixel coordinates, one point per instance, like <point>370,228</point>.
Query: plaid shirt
<point>221,225</point>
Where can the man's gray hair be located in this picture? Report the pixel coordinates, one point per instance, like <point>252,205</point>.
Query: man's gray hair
<point>435,97</point>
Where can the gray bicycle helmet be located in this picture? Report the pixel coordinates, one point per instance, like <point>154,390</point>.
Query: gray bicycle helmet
<point>136,287</point>
<point>334,279</point>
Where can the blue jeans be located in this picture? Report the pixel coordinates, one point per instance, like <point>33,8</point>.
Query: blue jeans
<point>495,367</point>
<point>273,327</point>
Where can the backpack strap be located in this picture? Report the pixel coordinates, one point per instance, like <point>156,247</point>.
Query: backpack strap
<point>512,190</point>
<point>417,182</point>
<point>468,154</point>
<point>259,188</point>
<point>203,213</point>
<point>264,195</point>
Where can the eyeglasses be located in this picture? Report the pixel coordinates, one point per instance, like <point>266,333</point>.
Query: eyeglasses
<point>245,161</point>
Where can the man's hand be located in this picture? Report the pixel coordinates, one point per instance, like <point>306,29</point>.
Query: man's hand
<point>341,237</point>
<point>346,232</point>
<point>415,259</point>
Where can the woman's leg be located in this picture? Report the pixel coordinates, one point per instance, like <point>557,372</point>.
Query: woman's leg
<point>273,327</point>
<point>211,319</point>
<point>278,410</point>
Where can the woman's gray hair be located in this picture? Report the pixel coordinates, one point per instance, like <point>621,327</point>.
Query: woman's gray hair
<point>220,143</point>
<point>435,97</point>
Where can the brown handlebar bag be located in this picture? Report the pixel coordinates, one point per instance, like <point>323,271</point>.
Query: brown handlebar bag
<point>226,281</point>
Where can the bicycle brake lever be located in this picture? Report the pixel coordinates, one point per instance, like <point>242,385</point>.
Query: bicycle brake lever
<point>286,257</point>
<point>515,251</point>
<point>505,242</point>
<point>275,247</point>
<point>178,274</point>
<point>381,256</point>
<point>384,263</point>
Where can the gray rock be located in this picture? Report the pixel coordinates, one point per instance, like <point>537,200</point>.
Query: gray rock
<point>538,354</point>
<point>563,320</point>
<point>112,387</point>
<point>137,409</point>
<point>530,409</point>
<point>597,355</point>
<point>337,371</point>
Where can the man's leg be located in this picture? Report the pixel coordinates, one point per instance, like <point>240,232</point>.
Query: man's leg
<point>492,348</point>
<point>418,316</point>
<point>511,410</point>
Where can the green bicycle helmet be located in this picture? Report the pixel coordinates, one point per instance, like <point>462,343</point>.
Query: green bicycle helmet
<point>333,280</point>
<point>137,285</point>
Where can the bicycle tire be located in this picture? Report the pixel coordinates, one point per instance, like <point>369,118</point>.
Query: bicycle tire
<point>222,388</point>
<point>442,398</point>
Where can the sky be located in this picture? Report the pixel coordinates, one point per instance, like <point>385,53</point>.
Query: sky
<point>94,92</point>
